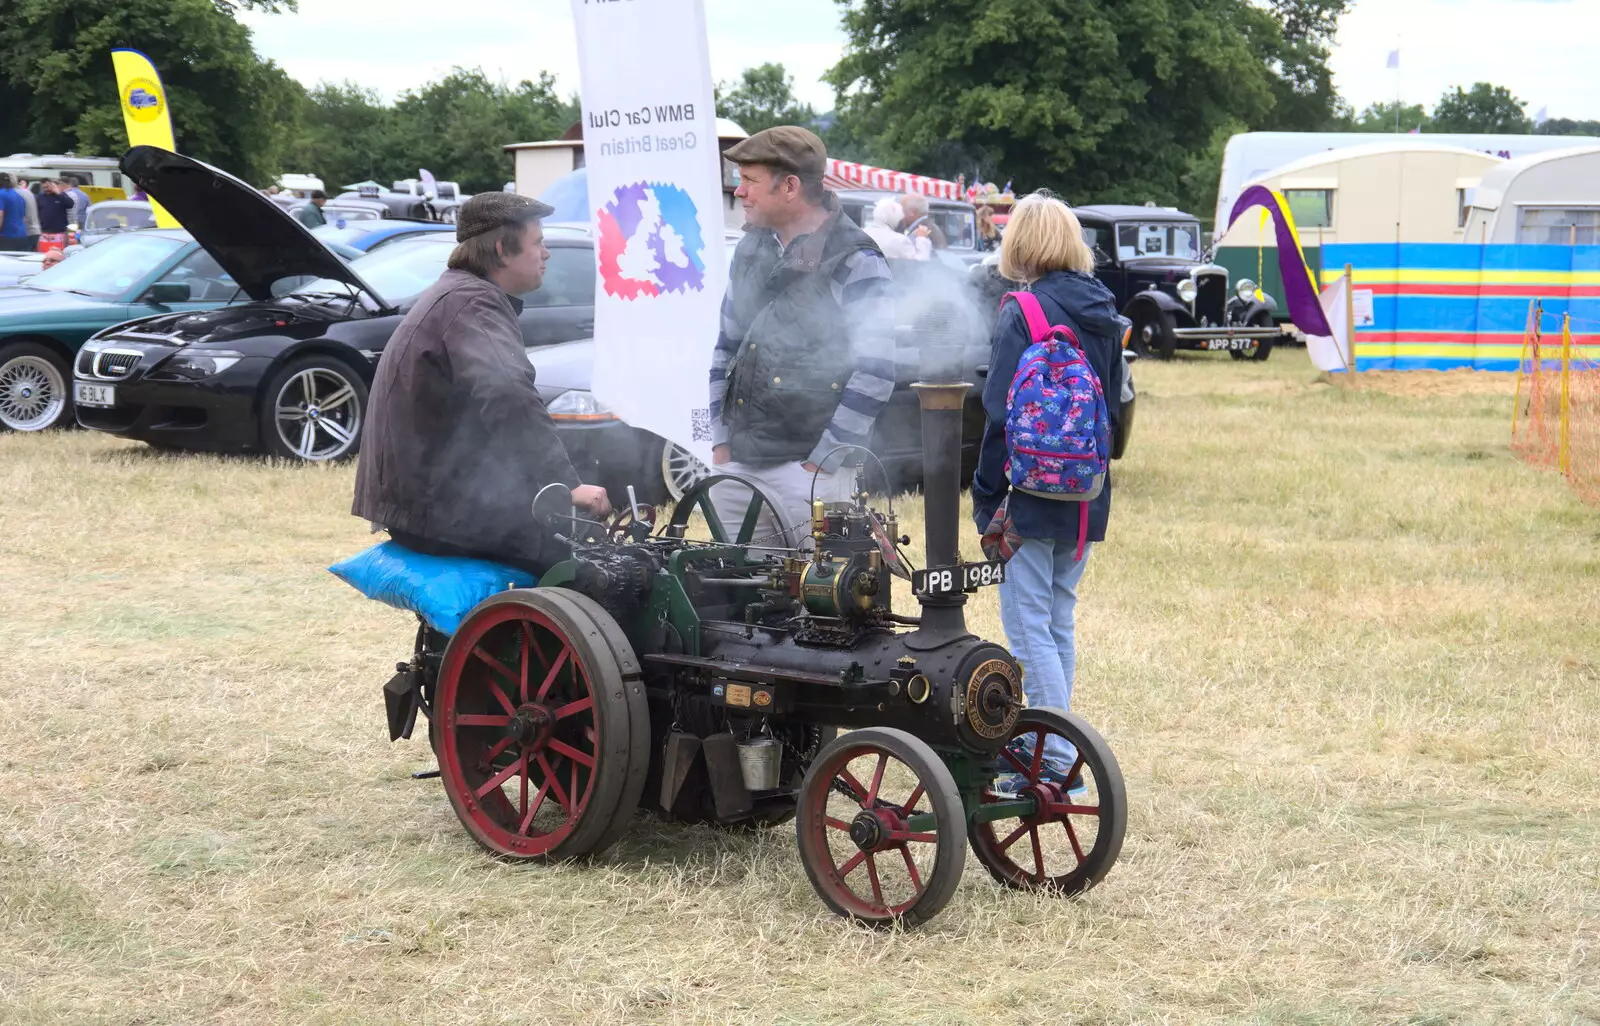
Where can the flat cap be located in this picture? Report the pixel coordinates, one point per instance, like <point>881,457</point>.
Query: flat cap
<point>790,147</point>
<point>490,210</point>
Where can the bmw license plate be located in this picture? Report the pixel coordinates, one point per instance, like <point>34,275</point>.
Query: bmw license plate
<point>949,580</point>
<point>86,394</point>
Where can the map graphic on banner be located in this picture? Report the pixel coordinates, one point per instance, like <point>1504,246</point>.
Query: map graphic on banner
<point>649,242</point>
<point>655,197</point>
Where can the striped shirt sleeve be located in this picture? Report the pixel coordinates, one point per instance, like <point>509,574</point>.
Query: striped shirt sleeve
<point>862,287</point>
<point>729,334</point>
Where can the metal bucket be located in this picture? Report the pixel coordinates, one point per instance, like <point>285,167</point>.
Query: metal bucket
<point>760,762</point>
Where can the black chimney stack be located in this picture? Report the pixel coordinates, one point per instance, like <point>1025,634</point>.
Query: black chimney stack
<point>942,395</point>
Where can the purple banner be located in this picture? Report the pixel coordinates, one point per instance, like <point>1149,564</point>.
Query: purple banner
<point>1300,291</point>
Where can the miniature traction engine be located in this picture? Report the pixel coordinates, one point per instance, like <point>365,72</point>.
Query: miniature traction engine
<point>709,681</point>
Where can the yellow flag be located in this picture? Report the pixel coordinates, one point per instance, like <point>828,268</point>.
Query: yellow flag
<point>144,111</point>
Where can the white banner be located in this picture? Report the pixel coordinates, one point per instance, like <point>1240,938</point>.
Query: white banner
<point>1332,353</point>
<point>655,193</point>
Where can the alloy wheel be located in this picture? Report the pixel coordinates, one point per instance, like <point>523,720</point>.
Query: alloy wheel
<point>681,470</point>
<point>33,393</point>
<point>318,414</point>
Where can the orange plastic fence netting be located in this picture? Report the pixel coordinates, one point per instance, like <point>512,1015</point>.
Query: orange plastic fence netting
<point>1556,419</point>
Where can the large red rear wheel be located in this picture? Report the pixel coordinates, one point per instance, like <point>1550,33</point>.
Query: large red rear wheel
<point>535,723</point>
<point>1073,833</point>
<point>881,829</point>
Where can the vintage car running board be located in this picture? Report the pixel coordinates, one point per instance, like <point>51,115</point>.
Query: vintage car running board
<point>1221,331</point>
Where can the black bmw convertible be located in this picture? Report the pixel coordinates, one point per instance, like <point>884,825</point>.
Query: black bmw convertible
<point>286,374</point>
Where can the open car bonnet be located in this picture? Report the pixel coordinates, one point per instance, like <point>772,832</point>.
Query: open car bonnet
<point>257,242</point>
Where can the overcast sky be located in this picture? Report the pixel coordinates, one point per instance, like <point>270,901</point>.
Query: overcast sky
<point>1541,49</point>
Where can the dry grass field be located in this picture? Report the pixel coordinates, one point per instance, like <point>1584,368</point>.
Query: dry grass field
<point>1346,648</point>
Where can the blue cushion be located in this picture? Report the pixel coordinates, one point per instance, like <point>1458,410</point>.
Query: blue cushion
<point>440,589</point>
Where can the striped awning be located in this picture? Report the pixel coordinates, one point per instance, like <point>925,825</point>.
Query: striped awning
<point>842,174</point>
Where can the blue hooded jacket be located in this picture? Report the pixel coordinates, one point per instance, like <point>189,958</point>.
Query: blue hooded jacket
<point>1082,303</point>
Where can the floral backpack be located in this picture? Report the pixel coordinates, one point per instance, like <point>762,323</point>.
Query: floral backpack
<point>1058,429</point>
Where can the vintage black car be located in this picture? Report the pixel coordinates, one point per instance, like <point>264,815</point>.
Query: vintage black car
<point>287,373</point>
<point>1152,260</point>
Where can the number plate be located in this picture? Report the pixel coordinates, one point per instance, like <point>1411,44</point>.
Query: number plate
<point>85,394</point>
<point>948,580</point>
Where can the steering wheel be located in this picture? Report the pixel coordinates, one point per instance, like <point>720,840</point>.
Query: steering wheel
<point>625,527</point>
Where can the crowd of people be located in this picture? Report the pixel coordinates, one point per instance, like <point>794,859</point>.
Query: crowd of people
<point>60,207</point>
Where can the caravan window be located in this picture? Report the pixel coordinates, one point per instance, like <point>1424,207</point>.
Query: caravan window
<point>1464,206</point>
<point>1310,208</point>
<point>1559,226</point>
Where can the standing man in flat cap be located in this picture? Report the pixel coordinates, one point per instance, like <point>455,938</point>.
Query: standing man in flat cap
<point>805,358</point>
<point>458,441</point>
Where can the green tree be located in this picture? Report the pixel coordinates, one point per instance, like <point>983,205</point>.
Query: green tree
<point>347,134</point>
<point>1202,173</point>
<point>1304,99</point>
<point>1567,126</point>
<point>1099,99</point>
<point>1483,108</point>
<point>58,90</point>
<point>456,127</point>
<point>763,97</point>
<point>1380,117</point>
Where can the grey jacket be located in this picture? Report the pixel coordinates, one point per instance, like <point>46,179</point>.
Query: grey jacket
<point>30,211</point>
<point>458,441</point>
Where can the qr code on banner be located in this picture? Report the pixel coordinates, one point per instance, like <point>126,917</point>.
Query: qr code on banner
<point>700,424</point>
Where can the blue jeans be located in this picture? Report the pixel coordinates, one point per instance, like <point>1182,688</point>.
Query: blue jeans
<point>1038,607</point>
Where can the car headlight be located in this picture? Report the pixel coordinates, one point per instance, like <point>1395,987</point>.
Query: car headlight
<point>578,405</point>
<point>1245,290</point>
<point>1187,290</point>
<point>195,366</point>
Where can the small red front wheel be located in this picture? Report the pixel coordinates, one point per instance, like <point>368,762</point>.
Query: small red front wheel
<point>1072,808</point>
<point>881,828</point>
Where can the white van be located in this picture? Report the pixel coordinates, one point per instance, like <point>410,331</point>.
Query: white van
<point>300,185</point>
<point>102,175</point>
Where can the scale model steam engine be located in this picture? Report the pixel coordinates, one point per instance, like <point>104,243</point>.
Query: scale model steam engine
<point>706,681</point>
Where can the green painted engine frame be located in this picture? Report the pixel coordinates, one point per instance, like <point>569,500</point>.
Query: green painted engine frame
<point>669,604</point>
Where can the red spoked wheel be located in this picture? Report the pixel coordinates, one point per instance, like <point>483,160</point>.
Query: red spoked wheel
<point>542,727</point>
<point>881,828</point>
<point>1057,831</point>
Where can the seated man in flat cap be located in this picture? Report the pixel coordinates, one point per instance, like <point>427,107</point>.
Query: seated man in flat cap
<point>805,359</point>
<point>458,441</point>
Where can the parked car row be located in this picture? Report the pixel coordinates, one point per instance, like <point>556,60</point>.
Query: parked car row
<point>248,333</point>
<point>46,319</point>
<point>287,372</point>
